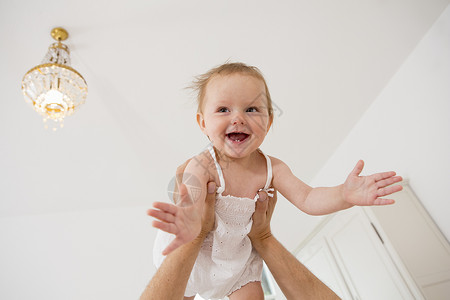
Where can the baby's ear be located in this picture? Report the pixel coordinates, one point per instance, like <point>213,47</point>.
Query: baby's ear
<point>201,122</point>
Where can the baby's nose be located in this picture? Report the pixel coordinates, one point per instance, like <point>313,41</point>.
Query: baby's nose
<point>237,119</point>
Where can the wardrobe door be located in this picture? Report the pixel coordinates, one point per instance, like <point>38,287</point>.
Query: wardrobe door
<point>317,257</point>
<point>363,260</point>
<point>420,245</point>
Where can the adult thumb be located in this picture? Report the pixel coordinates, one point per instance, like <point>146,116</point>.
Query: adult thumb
<point>261,205</point>
<point>211,187</point>
<point>185,198</point>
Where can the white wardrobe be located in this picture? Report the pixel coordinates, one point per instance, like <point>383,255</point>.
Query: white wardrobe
<point>392,252</point>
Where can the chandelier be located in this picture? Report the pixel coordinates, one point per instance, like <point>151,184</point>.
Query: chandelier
<point>54,88</point>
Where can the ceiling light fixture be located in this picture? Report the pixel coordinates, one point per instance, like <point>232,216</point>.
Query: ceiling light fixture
<point>54,88</point>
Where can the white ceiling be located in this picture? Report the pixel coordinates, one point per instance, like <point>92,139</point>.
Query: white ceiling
<point>325,63</point>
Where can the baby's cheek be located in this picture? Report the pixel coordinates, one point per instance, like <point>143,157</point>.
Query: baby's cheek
<point>260,124</point>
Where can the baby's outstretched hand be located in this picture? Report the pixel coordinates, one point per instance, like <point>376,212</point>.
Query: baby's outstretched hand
<point>182,220</point>
<point>369,190</point>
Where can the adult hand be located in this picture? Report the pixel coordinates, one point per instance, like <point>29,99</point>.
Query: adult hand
<point>294,279</point>
<point>208,216</point>
<point>183,220</point>
<point>169,281</point>
<point>260,230</point>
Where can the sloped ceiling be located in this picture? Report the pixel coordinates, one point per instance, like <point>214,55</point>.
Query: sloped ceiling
<point>325,62</point>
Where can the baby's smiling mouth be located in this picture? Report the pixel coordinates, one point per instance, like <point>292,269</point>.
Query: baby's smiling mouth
<point>237,136</point>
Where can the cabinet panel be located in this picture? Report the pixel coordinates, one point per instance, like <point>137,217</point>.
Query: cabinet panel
<point>419,243</point>
<point>346,252</point>
<point>317,257</point>
<point>363,259</point>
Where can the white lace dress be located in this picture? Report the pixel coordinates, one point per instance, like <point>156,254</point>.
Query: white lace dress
<point>227,260</point>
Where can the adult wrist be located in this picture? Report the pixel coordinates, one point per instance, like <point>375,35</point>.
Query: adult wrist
<point>260,242</point>
<point>201,236</point>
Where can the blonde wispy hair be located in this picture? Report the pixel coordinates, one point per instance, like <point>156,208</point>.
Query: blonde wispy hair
<point>201,82</point>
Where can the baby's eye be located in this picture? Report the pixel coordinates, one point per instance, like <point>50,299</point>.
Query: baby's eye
<point>223,109</point>
<point>252,109</point>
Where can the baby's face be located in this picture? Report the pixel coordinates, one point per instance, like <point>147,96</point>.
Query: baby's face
<point>235,114</point>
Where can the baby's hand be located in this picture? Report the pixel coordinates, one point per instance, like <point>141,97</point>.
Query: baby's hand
<point>368,190</point>
<point>182,220</point>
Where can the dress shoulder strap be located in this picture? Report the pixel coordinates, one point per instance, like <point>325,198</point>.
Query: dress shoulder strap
<point>269,170</point>
<point>221,188</point>
<point>267,189</point>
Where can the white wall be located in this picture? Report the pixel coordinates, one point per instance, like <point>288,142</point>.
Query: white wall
<point>90,255</point>
<point>106,254</point>
<point>407,128</point>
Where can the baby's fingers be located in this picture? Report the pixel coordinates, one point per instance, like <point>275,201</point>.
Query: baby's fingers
<point>381,201</point>
<point>389,181</point>
<point>389,190</point>
<point>383,175</point>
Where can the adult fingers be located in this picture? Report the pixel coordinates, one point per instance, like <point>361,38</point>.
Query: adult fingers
<point>161,215</point>
<point>166,207</point>
<point>167,227</point>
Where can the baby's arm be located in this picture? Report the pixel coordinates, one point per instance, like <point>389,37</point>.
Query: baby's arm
<point>356,190</point>
<point>184,219</point>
